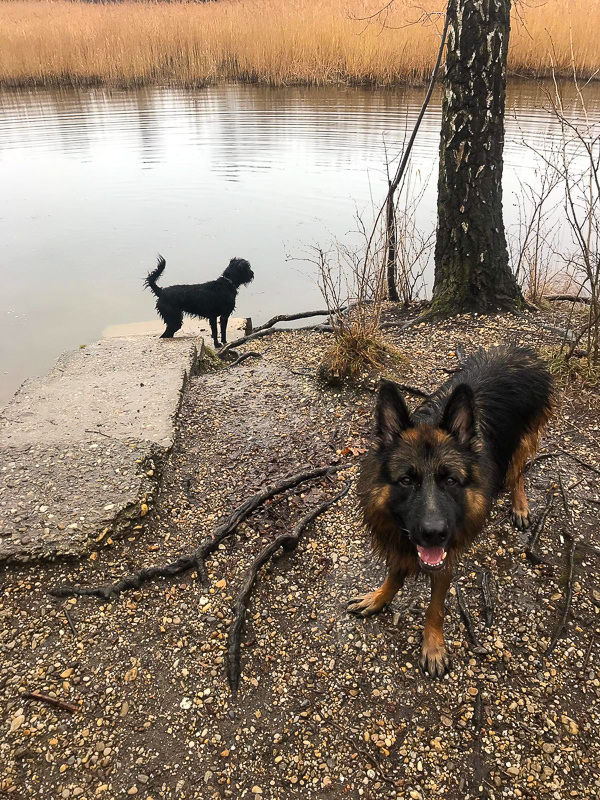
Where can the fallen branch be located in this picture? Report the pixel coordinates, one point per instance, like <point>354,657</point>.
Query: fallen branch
<point>468,622</point>
<point>569,298</point>
<point>52,701</point>
<point>259,335</point>
<point>244,356</point>
<point>488,596</point>
<point>289,541</point>
<point>563,620</point>
<point>291,317</point>
<point>195,559</point>
<point>537,529</point>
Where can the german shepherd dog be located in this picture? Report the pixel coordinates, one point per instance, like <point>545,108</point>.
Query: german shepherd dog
<point>212,300</point>
<point>427,485</point>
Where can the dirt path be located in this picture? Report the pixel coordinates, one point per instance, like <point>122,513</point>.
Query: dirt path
<point>329,705</point>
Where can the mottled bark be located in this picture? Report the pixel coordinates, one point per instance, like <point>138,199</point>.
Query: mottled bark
<point>390,226</point>
<point>471,259</point>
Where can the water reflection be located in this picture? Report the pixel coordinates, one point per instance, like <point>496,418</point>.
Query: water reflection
<point>97,181</point>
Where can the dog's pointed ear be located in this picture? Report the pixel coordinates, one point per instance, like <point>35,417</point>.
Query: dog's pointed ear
<point>391,413</point>
<point>459,415</point>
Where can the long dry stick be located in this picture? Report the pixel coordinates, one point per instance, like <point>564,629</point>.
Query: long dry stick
<point>291,317</point>
<point>195,559</point>
<point>289,541</point>
<point>569,598</point>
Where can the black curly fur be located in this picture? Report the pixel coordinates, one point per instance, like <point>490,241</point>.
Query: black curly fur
<point>210,300</point>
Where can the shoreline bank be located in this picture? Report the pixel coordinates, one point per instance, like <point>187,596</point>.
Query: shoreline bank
<point>271,43</point>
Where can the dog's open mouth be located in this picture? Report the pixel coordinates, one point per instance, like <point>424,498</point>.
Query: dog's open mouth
<point>432,557</point>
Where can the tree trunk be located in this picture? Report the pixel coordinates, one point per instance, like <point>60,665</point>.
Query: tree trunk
<point>471,259</point>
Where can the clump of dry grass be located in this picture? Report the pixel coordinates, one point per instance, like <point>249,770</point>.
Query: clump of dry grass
<point>571,369</point>
<point>275,42</point>
<point>352,353</point>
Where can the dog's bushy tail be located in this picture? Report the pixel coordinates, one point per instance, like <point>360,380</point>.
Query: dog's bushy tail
<point>150,281</point>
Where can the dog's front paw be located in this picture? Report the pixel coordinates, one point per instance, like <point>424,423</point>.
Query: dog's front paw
<point>521,519</point>
<point>367,604</point>
<point>435,660</point>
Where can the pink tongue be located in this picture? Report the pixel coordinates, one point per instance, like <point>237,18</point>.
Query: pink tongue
<point>430,555</point>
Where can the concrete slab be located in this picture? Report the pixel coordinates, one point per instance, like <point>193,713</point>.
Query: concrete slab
<point>236,328</point>
<point>82,448</point>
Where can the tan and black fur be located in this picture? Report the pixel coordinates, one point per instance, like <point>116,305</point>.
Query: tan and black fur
<point>427,484</point>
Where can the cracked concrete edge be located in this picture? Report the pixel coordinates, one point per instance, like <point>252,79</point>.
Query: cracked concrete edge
<point>128,514</point>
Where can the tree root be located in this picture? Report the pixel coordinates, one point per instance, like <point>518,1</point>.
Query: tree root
<point>196,558</point>
<point>289,541</point>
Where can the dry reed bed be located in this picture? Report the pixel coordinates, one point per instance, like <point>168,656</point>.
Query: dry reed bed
<point>274,42</point>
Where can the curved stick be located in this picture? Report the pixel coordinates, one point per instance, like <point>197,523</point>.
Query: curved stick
<point>196,558</point>
<point>288,541</point>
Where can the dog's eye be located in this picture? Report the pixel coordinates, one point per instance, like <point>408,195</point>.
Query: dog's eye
<point>450,481</point>
<point>405,480</point>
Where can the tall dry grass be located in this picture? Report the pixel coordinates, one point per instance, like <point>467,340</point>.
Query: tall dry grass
<point>268,41</point>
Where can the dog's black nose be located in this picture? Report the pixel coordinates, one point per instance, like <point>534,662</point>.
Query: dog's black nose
<point>434,532</point>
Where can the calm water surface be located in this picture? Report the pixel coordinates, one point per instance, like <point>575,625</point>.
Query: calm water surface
<point>95,183</point>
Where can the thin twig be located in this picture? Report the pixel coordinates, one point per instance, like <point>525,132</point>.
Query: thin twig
<point>288,541</point>
<point>52,701</point>
<point>488,596</point>
<point>468,621</point>
<point>579,460</point>
<point>70,621</point>
<point>195,559</point>
<point>371,759</point>
<point>589,650</point>
<point>563,620</point>
<point>537,529</point>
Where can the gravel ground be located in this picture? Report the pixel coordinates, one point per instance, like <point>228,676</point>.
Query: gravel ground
<point>329,705</point>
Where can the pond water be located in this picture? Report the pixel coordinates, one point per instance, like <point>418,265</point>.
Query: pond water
<point>95,183</point>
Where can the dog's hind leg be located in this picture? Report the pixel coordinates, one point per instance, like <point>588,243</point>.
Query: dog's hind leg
<point>434,657</point>
<point>372,602</point>
<point>173,319</point>
<point>224,319</point>
<point>213,328</point>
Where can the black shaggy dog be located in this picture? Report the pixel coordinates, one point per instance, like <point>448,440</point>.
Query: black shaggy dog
<point>208,300</point>
<point>427,485</point>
